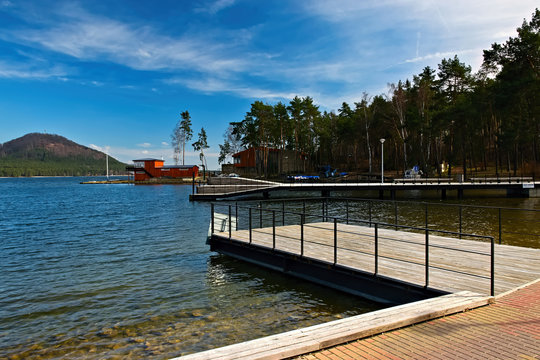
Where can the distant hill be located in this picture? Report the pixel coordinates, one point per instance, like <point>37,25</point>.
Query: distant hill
<point>38,154</point>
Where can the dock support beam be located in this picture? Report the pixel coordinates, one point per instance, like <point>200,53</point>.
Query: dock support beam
<point>393,194</point>
<point>381,194</point>
<point>443,194</point>
<point>325,193</point>
<point>460,194</point>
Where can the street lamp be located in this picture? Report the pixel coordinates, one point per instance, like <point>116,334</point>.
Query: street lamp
<point>382,161</point>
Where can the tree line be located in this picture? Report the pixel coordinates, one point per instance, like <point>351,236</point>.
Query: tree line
<point>55,166</point>
<point>442,119</point>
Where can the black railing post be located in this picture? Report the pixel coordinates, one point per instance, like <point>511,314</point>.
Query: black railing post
<point>273,229</point>
<point>283,213</point>
<point>302,234</point>
<point>230,213</point>
<point>376,249</point>
<point>460,220</point>
<point>250,227</point>
<point>500,227</point>
<point>193,184</point>
<point>335,241</point>
<point>347,210</point>
<point>426,216</point>
<point>212,217</point>
<point>327,205</point>
<point>492,285</point>
<point>395,214</point>
<point>369,210</point>
<point>427,258</point>
<point>260,214</point>
<point>236,215</point>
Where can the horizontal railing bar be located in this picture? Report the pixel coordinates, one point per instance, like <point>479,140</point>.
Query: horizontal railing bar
<point>317,199</point>
<point>379,223</point>
<point>460,272</point>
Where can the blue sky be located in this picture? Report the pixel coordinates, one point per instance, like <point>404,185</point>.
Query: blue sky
<point>117,74</point>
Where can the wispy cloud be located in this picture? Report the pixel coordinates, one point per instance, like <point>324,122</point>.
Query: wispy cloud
<point>86,36</point>
<point>144,145</point>
<point>30,71</point>
<point>213,85</point>
<point>442,55</point>
<point>215,6</point>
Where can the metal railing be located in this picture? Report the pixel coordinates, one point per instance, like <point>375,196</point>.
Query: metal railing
<point>511,226</point>
<point>239,184</point>
<point>267,219</point>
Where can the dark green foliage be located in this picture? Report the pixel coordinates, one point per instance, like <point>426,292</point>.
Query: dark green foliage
<point>442,120</point>
<point>54,166</point>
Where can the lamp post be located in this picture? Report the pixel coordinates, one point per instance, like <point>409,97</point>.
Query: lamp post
<point>382,161</point>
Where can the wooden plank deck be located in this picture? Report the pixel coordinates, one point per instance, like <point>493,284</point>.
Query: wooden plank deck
<point>455,264</point>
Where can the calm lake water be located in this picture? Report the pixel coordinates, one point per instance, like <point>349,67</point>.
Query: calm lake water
<point>105,271</point>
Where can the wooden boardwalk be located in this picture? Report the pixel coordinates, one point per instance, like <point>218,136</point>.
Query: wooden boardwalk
<point>507,329</point>
<point>454,264</point>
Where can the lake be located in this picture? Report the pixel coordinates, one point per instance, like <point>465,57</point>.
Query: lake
<point>120,271</point>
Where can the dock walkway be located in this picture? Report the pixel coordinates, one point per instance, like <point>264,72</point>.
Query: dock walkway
<point>243,186</point>
<point>507,329</point>
<point>454,264</point>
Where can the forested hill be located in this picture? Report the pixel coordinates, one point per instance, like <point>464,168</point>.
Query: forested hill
<point>38,154</point>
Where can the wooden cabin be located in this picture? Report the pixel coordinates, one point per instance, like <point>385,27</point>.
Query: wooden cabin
<point>257,161</point>
<point>147,169</point>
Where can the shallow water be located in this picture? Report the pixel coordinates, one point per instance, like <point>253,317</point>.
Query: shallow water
<point>104,271</point>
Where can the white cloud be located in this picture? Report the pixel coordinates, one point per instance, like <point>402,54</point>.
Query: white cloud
<point>85,36</point>
<point>144,145</point>
<point>30,71</point>
<point>95,147</point>
<point>212,85</point>
<point>216,6</point>
<point>459,24</point>
<point>442,55</point>
<point>164,143</point>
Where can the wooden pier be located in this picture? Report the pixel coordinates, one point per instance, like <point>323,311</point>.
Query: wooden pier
<point>374,260</point>
<point>520,187</point>
<point>449,265</point>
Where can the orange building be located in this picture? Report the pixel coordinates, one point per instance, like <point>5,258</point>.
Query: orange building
<point>146,169</point>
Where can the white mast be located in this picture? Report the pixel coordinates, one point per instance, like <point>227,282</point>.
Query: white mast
<point>107,160</point>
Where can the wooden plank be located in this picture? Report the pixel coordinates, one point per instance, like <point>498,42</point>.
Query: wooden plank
<point>316,337</point>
